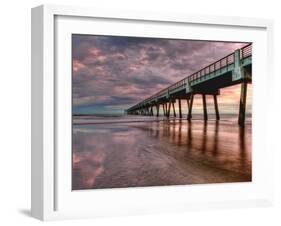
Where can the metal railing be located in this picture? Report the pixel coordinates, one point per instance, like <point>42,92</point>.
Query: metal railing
<point>245,52</point>
<point>224,62</point>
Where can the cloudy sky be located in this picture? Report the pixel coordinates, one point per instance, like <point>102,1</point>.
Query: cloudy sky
<point>110,74</point>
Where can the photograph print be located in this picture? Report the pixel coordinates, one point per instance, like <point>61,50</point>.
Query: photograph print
<point>159,112</point>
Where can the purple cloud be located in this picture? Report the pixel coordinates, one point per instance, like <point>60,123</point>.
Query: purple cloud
<point>112,73</point>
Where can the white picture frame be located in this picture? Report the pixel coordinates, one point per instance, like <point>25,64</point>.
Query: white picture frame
<point>51,197</point>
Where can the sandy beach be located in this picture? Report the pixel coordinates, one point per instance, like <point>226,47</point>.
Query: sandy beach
<point>156,153</point>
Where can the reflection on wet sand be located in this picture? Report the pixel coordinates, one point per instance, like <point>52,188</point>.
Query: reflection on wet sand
<point>172,152</point>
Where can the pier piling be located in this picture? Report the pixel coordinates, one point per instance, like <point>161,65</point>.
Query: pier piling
<point>180,114</point>
<point>174,108</point>
<point>190,108</point>
<point>205,107</point>
<point>216,107</point>
<point>242,107</point>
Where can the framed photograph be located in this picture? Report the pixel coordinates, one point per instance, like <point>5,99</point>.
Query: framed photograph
<point>137,112</point>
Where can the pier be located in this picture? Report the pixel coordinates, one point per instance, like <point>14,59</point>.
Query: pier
<point>233,69</point>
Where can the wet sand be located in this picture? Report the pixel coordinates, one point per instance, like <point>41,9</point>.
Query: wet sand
<point>172,152</point>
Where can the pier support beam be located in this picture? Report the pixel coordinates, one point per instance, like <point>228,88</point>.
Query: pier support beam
<point>205,107</point>
<point>216,107</point>
<point>190,108</point>
<point>164,112</point>
<point>242,107</point>
<point>174,109</point>
<point>157,110</point>
<point>180,114</point>
<point>187,103</point>
<point>151,111</point>
<point>169,109</point>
